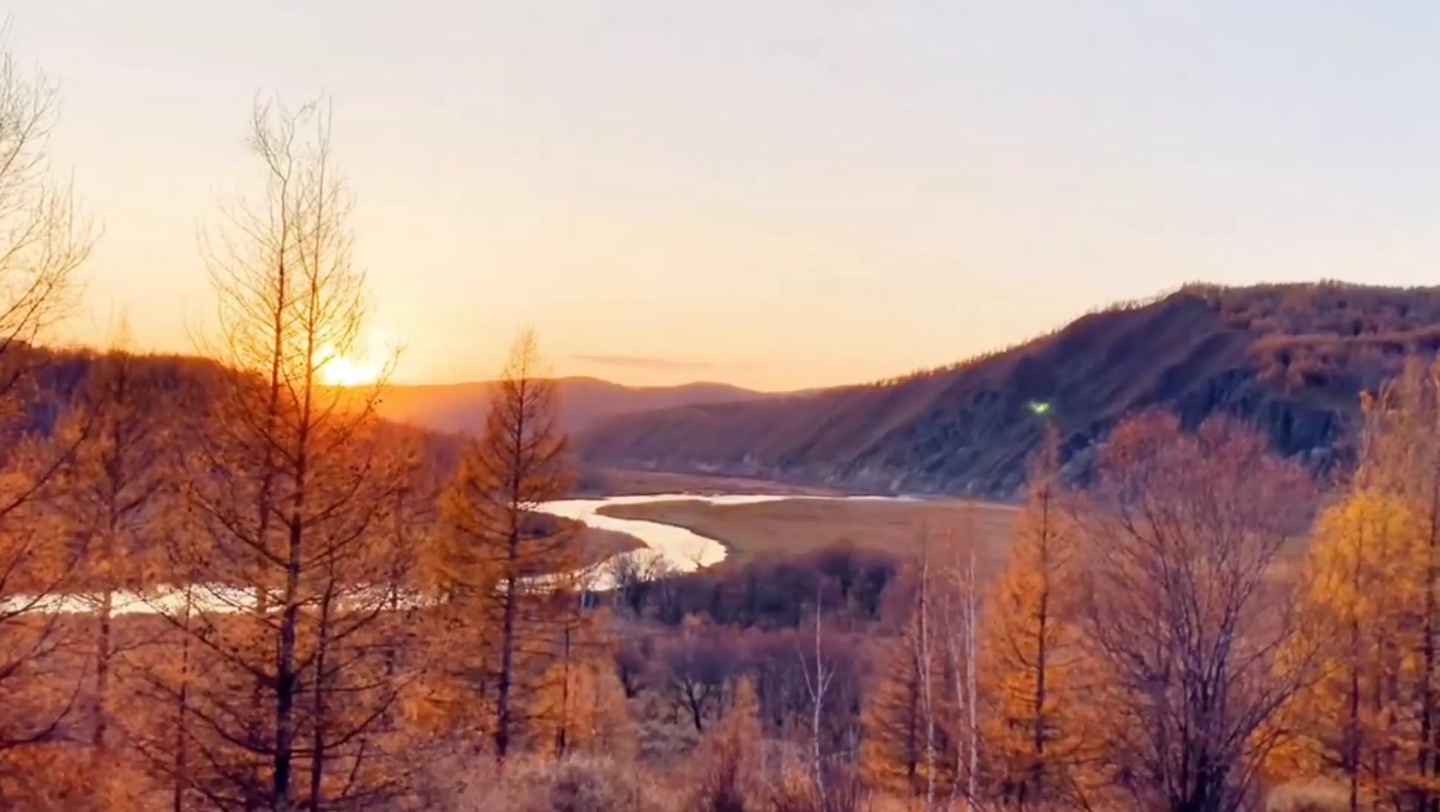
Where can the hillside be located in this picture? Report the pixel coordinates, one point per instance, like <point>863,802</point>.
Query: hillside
<point>1290,358</point>
<point>583,402</point>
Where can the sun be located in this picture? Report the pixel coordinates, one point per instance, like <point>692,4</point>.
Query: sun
<point>364,365</point>
<point>343,371</point>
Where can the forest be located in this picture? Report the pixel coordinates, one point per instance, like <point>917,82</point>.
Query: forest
<point>289,604</point>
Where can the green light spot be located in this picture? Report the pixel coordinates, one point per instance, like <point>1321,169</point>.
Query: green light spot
<point>1039,407</point>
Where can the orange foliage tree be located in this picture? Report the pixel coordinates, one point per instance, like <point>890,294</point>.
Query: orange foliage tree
<point>1372,718</point>
<point>1034,734</point>
<point>500,561</point>
<point>1364,582</point>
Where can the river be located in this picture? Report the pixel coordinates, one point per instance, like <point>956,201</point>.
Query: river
<point>679,549</point>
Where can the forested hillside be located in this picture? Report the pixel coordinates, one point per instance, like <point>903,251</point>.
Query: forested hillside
<point>1290,359</point>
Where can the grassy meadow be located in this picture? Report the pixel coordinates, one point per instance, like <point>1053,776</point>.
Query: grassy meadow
<point>797,526</point>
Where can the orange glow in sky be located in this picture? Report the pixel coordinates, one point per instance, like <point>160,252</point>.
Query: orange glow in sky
<point>775,195</point>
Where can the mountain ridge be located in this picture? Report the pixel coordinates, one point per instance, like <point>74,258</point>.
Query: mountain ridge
<point>583,401</point>
<point>1291,358</point>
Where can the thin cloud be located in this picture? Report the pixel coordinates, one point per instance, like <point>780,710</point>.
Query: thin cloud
<point>645,362</point>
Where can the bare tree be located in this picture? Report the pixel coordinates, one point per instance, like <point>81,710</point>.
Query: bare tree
<point>960,618</point>
<point>634,576</point>
<point>696,671</point>
<point>817,685</point>
<point>1186,617</point>
<point>43,238</point>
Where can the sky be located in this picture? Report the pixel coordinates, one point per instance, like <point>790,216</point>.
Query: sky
<point>776,193</point>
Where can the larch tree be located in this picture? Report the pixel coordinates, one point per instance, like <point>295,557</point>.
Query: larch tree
<point>43,243</point>
<point>1031,647</point>
<point>119,497</point>
<point>1388,543</point>
<point>1364,583</point>
<point>1186,614</point>
<point>290,488</point>
<point>500,557</point>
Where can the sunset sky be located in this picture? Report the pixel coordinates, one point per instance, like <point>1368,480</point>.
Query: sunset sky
<point>777,194</point>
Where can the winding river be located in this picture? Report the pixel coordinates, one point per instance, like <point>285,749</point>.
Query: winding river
<point>679,550</point>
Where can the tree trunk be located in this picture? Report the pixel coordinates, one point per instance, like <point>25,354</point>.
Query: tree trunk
<point>1037,767</point>
<point>507,660</point>
<point>317,746</point>
<point>562,735</point>
<point>1426,800</point>
<point>104,654</point>
<point>287,681</point>
<point>182,703</point>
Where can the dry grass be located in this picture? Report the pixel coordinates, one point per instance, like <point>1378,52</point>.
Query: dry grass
<point>794,526</point>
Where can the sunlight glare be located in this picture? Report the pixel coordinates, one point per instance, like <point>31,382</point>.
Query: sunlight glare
<point>363,366</point>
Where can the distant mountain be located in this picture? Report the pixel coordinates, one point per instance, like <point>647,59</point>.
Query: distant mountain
<point>582,402</point>
<point>1289,358</point>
